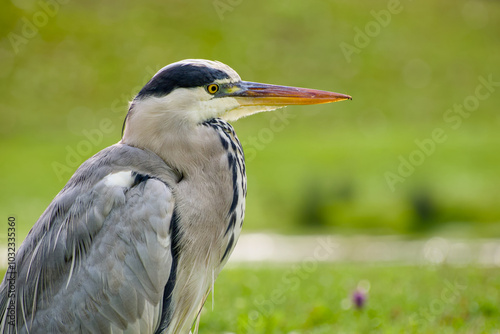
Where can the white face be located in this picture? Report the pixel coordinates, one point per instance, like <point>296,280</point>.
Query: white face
<point>196,105</point>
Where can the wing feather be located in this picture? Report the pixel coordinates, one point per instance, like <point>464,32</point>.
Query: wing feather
<point>99,257</point>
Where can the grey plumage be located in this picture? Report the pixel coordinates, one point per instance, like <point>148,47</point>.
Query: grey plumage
<point>71,237</point>
<point>134,241</point>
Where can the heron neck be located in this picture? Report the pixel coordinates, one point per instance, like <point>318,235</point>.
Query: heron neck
<point>184,146</point>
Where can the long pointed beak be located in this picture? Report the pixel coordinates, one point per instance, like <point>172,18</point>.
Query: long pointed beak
<point>254,94</point>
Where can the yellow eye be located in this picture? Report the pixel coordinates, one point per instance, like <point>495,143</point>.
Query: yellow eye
<point>212,89</point>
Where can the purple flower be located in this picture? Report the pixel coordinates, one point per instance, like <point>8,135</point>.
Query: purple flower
<point>359,298</point>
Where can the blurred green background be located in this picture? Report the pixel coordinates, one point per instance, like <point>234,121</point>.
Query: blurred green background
<point>66,67</point>
<point>366,166</point>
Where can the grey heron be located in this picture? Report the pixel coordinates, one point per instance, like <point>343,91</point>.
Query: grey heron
<point>135,240</point>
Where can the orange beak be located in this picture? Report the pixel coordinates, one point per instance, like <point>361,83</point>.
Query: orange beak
<point>253,94</point>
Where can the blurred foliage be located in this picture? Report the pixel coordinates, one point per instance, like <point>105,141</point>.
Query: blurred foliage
<point>326,165</point>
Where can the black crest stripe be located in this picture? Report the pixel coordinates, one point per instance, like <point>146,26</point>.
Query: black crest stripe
<point>181,75</point>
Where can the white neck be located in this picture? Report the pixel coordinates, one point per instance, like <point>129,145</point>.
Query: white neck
<point>171,131</point>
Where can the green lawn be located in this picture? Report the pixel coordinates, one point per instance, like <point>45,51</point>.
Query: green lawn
<point>308,298</point>
<point>311,298</point>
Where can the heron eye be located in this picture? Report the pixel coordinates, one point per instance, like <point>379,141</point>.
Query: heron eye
<point>212,89</point>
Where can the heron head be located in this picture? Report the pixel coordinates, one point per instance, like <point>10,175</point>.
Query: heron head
<point>195,90</point>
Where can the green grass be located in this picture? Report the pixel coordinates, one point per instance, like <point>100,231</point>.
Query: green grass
<point>308,298</point>
<point>311,298</point>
